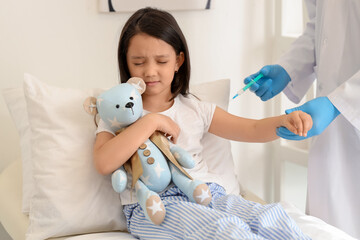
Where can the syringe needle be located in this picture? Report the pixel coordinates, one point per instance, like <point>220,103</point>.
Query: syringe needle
<point>241,91</point>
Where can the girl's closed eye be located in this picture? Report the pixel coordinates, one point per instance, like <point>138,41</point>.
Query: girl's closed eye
<point>137,60</point>
<point>162,59</point>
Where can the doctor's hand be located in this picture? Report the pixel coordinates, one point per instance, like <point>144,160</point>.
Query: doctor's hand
<point>322,111</point>
<point>273,82</point>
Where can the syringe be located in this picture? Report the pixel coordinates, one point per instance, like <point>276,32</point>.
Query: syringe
<point>241,91</point>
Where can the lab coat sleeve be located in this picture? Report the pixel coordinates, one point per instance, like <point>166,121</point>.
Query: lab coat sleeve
<point>347,100</point>
<point>299,61</point>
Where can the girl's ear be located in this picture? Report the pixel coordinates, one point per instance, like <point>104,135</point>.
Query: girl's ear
<point>179,61</point>
<point>138,83</point>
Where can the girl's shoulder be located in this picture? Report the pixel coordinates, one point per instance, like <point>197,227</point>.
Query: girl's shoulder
<point>192,102</point>
<point>189,100</point>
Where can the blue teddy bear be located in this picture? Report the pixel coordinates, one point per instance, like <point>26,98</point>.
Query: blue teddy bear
<point>156,163</point>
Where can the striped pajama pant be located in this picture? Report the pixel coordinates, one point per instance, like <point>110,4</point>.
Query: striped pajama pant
<point>226,217</point>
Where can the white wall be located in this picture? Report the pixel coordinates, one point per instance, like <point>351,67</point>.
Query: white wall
<point>68,43</point>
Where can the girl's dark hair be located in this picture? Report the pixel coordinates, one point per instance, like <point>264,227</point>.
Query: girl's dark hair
<point>161,25</point>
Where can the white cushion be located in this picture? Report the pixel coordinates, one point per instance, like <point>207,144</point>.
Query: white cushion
<point>70,196</point>
<point>11,216</point>
<point>15,100</point>
<point>217,151</point>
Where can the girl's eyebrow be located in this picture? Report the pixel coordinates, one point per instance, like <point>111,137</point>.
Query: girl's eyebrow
<point>157,56</point>
<point>136,57</point>
<point>161,56</point>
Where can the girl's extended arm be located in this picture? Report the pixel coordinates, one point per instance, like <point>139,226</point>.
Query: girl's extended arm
<point>236,128</point>
<point>111,152</point>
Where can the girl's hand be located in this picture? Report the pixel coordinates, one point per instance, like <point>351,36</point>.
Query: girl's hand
<point>165,124</point>
<point>298,122</point>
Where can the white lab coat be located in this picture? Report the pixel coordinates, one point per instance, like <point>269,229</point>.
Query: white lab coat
<point>329,50</point>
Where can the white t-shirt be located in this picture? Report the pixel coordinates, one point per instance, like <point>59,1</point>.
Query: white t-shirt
<point>194,118</point>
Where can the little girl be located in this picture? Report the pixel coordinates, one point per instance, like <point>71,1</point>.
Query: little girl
<point>153,47</point>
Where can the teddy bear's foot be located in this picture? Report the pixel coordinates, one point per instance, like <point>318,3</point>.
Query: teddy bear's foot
<point>119,180</point>
<point>202,194</point>
<point>155,209</point>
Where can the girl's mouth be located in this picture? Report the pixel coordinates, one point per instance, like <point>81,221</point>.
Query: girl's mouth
<point>152,83</point>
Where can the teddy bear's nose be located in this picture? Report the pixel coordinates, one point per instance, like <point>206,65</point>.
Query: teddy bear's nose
<point>129,105</point>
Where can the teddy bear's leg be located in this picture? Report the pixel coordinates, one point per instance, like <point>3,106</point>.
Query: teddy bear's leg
<point>151,203</point>
<point>119,180</point>
<point>182,156</point>
<point>196,190</point>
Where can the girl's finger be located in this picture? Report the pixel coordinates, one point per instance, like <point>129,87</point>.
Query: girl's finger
<point>290,125</point>
<point>297,121</point>
<point>307,122</point>
<point>292,128</point>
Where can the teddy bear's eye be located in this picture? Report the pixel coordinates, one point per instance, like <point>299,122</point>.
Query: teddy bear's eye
<point>131,98</point>
<point>117,106</point>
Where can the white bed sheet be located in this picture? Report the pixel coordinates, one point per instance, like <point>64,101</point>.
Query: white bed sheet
<point>103,236</point>
<point>315,227</point>
<point>16,223</point>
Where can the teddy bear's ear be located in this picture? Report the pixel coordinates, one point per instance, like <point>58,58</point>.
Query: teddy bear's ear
<point>90,105</point>
<point>138,83</point>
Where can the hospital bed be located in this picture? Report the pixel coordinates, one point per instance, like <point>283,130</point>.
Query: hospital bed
<point>56,182</point>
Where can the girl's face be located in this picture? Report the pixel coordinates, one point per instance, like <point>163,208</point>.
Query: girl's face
<point>154,61</point>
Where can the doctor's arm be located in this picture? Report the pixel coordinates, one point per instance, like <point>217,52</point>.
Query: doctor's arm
<point>344,100</point>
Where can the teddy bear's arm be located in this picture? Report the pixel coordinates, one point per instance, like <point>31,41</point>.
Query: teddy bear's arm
<point>183,157</point>
<point>163,144</point>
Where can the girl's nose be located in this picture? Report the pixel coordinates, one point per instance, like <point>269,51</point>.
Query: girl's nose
<point>150,70</point>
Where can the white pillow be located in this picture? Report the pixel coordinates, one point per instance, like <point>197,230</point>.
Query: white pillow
<point>15,100</point>
<point>217,149</point>
<point>70,197</point>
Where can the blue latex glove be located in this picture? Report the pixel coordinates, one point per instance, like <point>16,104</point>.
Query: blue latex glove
<point>322,111</point>
<point>273,82</point>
